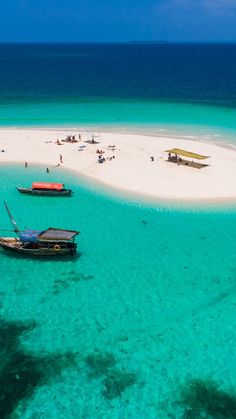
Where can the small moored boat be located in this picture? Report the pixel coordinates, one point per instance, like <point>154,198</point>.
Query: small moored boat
<point>49,242</point>
<point>46,188</point>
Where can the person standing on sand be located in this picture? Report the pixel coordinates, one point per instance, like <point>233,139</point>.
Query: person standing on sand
<point>61,160</point>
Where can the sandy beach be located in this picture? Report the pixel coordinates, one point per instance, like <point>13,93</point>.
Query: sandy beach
<point>128,165</point>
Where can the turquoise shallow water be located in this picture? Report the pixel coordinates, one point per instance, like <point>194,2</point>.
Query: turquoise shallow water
<point>147,307</point>
<point>203,122</point>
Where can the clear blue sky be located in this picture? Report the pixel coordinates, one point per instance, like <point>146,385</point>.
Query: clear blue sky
<point>117,20</point>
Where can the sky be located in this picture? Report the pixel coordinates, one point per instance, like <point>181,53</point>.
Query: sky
<point>118,20</point>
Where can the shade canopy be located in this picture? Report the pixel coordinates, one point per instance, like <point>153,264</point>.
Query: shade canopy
<point>185,153</point>
<point>57,234</point>
<point>48,185</point>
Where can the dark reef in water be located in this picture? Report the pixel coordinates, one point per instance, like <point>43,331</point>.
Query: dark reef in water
<point>22,372</point>
<point>115,380</point>
<point>60,285</point>
<point>99,364</point>
<point>204,399</point>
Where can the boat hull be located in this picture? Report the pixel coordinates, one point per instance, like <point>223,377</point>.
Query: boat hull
<point>40,192</point>
<point>56,250</point>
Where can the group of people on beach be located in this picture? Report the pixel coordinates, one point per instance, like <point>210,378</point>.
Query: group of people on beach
<point>72,139</point>
<point>69,139</point>
<point>102,159</point>
<point>175,158</point>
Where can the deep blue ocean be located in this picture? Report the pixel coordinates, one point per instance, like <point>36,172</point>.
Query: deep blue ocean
<point>141,323</point>
<point>199,74</point>
<point>166,88</point>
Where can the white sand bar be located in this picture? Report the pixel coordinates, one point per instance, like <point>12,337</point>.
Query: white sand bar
<point>132,169</point>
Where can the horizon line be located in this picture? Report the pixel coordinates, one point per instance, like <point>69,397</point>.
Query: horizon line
<point>164,42</point>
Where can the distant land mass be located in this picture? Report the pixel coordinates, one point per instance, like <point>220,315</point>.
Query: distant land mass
<point>148,42</point>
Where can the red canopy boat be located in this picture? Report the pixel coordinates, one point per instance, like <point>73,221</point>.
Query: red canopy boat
<point>46,188</point>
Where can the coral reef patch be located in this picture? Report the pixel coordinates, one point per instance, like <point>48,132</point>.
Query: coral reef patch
<point>114,380</point>
<point>205,399</point>
<point>22,372</point>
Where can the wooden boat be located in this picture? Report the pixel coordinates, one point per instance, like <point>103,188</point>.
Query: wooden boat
<point>46,188</point>
<point>49,242</point>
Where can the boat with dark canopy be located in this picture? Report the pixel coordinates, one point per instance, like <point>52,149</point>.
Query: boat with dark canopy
<point>49,242</point>
<point>46,188</point>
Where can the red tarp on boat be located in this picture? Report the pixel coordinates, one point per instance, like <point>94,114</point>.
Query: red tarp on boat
<point>47,185</point>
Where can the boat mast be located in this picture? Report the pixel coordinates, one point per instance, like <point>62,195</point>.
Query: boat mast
<point>16,229</point>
